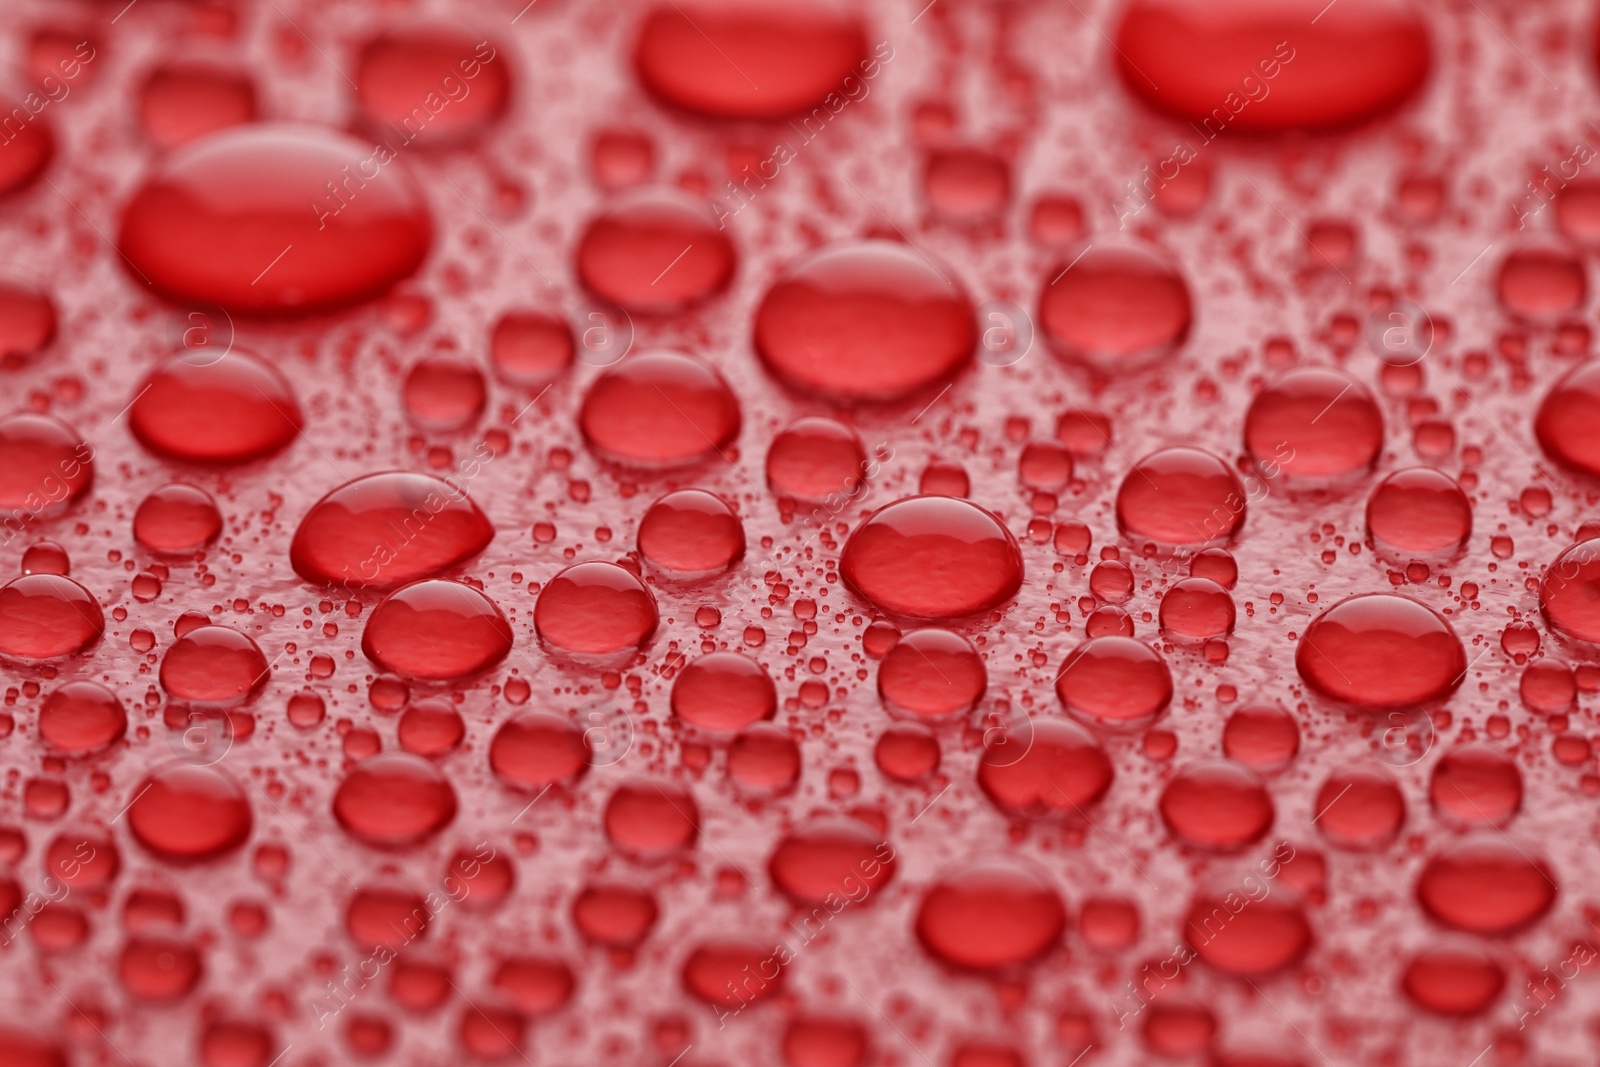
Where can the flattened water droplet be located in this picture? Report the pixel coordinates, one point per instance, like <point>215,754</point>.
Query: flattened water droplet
<point>213,665</point>
<point>932,557</point>
<point>394,799</point>
<point>436,631</point>
<point>82,718</point>
<point>430,84</point>
<point>655,250</point>
<point>177,518</point>
<point>595,609</point>
<point>1115,305</point>
<point>1486,885</point>
<point>1217,805</point>
<point>990,914</point>
<point>386,530</point>
<point>1114,681</point>
<point>691,533</point>
<point>187,813</point>
<point>46,616</point>
<point>1261,68</point>
<point>1181,496</point>
<point>1419,510</point>
<point>865,321</point>
<point>233,410</point>
<point>44,464</point>
<point>1314,423</point>
<point>747,60</point>
<point>724,691</point>
<point>931,674</point>
<point>659,409</point>
<point>242,219</point>
<point>1381,651</point>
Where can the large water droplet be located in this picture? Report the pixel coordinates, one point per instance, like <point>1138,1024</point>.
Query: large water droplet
<point>659,409</point>
<point>932,557</point>
<point>1181,496</point>
<point>724,691</point>
<point>538,749</point>
<point>394,799</point>
<point>1062,769</point>
<point>1114,681</point>
<point>177,519</point>
<point>81,718</point>
<point>1486,885</point>
<point>932,674</point>
<point>652,818</point>
<point>816,458</point>
<point>691,533</point>
<point>655,251</point>
<point>188,813</point>
<point>44,465</point>
<point>1419,510</point>
<point>213,665</point>
<point>864,321</point>
<point>1565,424</point>
<point>386,530</point>
<point>430,85</point>
<point>1246,936</point>
<point>45,616</point>
<point>1257,66</point>
<point>831,859</point>
<point>748,60</point>
<point>1217,805</point>
<point>991,914</point>
<point>1314,422</point>
<point>1115,305</point>
<point>1474,783</point>
<point>236,409</point>
<point>437,631</point>
<point>595,609</point>
<point>243,219</point>
<point>1542,283</point>
<point>1381,651</point>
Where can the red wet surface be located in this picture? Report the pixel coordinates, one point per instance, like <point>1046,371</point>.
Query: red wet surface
<point>1242,713</point>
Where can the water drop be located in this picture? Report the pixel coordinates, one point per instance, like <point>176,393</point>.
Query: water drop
<point>865,321</point>
<point>932,557</point>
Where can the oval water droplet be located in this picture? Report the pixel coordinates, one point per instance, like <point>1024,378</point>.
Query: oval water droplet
<point>865,321</point>
<point>394,799</point>
<point>386,530</point>
<point>932,557</point>
<point>1381,651</point>
<point>242,219</point>
<point>659,409</point>
<point>595,609</point>
<point>436,631</point>
<point>655,251</point>
<point>747,60</point>
<point>1116,306</point>
<point>1242,65</point>
<point>232,410</point>
<point>186,813</point>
